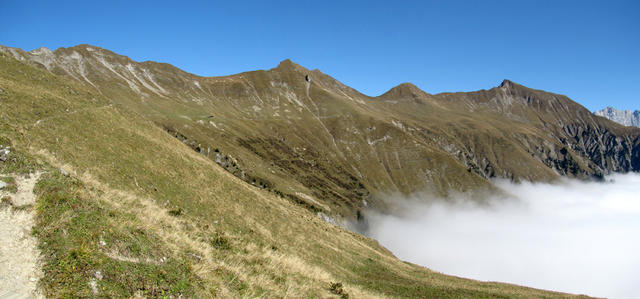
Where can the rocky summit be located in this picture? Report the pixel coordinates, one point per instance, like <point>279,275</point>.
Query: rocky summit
<point>242,185</point>
<point>623,117</point>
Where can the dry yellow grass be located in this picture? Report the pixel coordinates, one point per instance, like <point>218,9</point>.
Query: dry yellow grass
<point>181,236</point>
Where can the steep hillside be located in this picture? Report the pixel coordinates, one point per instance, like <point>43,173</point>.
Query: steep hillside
<point>126,209</point>
<point>623,117</point>
<point>302,134</point>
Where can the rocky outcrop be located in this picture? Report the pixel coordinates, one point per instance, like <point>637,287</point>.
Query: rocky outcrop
<point>623,117</point>
<point>604,151</point>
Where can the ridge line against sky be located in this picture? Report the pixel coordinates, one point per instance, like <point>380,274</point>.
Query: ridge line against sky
<point>587,50</point>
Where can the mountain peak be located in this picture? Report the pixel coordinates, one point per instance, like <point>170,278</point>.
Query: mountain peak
<point>507,83</point>
<point>287,63</point>
<point>407,85</point>
<point>623,117</point>
<point>404,89</point>
<point>41,50</point>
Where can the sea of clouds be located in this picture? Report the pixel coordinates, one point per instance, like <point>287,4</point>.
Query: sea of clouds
<point>571,236</point>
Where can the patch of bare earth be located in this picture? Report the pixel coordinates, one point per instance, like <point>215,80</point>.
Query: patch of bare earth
<point>20,268</point>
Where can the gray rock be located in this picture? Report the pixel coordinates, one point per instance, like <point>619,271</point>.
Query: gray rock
<point>623,117</point>
<point>3,153</point>
<point>63,172</point>
<point>2,185</point>
<point>98,275</point>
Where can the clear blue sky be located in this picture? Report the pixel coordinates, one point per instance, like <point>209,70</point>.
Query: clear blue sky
<point>588,50</point>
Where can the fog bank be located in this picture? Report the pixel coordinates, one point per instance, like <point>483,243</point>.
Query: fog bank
<point>576,237</point>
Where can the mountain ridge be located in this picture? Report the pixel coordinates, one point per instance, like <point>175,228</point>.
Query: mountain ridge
<point>17,53</point>
<point>159,182</point>
<point>264,120</point>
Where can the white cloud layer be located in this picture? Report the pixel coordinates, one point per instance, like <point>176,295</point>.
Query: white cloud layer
<point>576,237</point>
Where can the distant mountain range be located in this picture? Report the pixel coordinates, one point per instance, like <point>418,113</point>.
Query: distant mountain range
<point>623,117</point>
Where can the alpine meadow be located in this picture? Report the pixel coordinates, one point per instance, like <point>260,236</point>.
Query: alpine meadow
<point>193,150</point>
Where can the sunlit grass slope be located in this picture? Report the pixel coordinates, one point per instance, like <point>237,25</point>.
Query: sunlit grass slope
<point>125,209</point>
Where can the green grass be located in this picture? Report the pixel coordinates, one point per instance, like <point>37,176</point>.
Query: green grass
<point>77,234</point>
<point>17,162</point>
<point>11,184</point>
<point>156,218</point>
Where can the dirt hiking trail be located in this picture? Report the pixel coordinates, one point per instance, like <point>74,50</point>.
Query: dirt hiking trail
<point>20,269</point>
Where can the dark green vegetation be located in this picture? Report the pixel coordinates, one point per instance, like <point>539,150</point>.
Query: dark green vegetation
<point>203,187</point>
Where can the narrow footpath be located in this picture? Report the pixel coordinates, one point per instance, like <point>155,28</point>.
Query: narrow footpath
<point>20,269</point>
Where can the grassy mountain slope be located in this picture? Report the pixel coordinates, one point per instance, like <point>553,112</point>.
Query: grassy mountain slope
<point>127,209</point>
<point>154,217</point>
<point>335,150</point>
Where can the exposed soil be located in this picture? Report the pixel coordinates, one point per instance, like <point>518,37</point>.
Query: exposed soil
<point>20,269</point>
